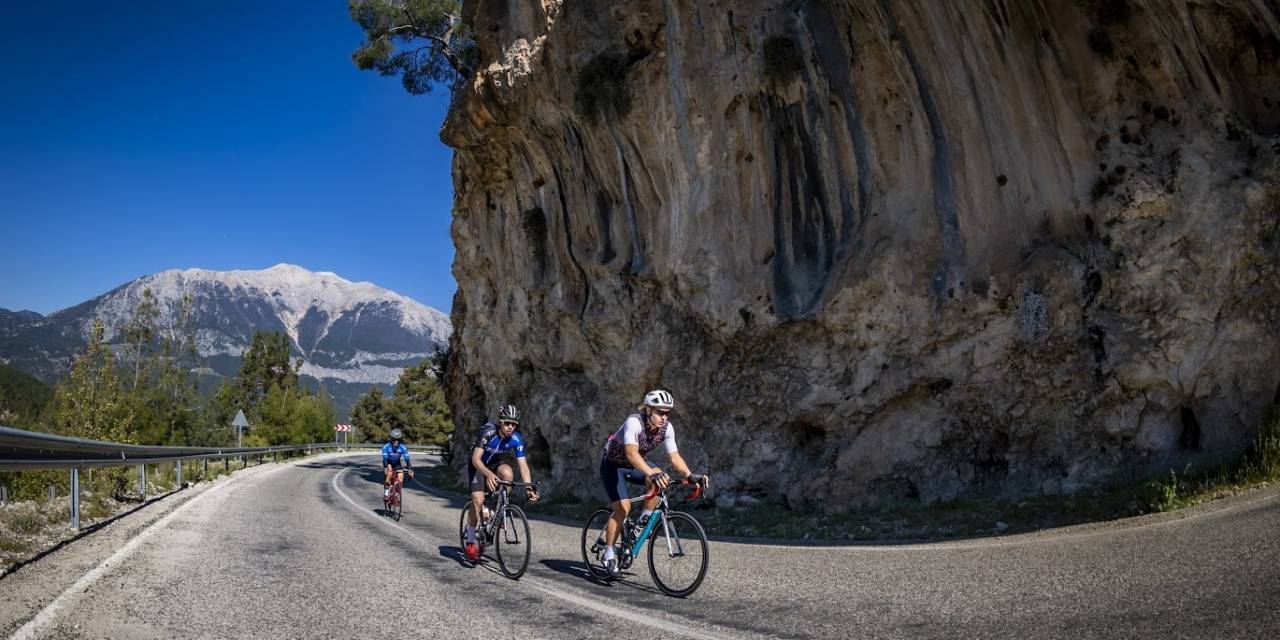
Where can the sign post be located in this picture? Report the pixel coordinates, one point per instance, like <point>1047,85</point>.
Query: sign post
<point>344,429</point>
<point>240,423</point>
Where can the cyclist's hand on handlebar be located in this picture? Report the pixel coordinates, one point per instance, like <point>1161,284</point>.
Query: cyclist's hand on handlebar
<point>411,473</point>
<point>702,479</point>
<point>659,479</point>
<point>533,494</point>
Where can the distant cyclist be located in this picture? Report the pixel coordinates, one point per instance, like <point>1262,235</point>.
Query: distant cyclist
<point>624,461</point>
<point>394,454</point>
<point>491,460</point>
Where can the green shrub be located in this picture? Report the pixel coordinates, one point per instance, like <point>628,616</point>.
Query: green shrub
<point>33,485</point>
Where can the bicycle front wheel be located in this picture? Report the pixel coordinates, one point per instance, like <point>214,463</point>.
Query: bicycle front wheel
<point>593,543</point>
<point>678,554</point>
<point>462,526</point>
<point>398,503</point>
<point>511,543</point>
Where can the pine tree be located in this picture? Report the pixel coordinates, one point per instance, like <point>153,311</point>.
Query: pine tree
<point>89,403</point>
<point>418,406</point>
<point>369,416</point>
<point>139,338</point>
<point>265,364</point>
<point>425,42</point>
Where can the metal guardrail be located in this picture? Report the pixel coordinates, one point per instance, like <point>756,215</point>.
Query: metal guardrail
<point>27,450</point>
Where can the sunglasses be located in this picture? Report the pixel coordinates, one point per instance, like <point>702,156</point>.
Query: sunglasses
<point>662,412</point>
<point>509,422</point>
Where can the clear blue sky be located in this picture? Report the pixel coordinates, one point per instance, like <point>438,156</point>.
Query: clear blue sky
<point>142,136</point>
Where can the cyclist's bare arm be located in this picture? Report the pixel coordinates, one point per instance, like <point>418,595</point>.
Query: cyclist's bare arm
<point>490,478</point>
<point>478,465</point>
<point>637,461</point>
<point>677,463</point>
<point>524,477</point>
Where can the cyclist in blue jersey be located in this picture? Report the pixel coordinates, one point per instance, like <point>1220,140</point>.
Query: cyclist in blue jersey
<point>394,453</point>
<point>490,460</point>
<point>623,462</point>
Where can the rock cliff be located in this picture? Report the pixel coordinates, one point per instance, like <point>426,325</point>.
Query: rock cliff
<point>876,248</point>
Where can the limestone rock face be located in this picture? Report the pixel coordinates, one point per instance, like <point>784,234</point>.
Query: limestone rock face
<point>875,248</point>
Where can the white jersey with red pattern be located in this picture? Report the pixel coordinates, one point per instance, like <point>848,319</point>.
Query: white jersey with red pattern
<point>632,431</point>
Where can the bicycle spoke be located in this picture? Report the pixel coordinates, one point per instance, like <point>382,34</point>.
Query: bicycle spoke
<point>678,554</point>
<point>593,543</point>
<point>513,558</point>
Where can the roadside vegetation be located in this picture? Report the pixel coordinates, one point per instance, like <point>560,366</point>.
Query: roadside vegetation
<point>141,387</point>
<point>31,526</point>
<point>416,406</point>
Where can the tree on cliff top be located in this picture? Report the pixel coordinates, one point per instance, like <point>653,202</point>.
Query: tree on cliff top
<point>445,53</point>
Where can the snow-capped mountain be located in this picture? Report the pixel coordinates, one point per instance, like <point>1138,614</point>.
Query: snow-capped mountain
<point>348,333</point>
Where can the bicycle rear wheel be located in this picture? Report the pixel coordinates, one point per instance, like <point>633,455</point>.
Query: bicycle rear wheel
<point>678,554</point>
<point>397,500</point>
<point>511,542</point>
<point>593,543</point>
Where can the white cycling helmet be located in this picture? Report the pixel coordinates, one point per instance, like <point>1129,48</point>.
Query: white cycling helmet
<point>659,399</point>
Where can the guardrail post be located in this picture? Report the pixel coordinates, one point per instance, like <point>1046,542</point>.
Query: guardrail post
<point>4,494</point>
<point>177,465</point>
<point>204,474</point>
<point>75,499</point>
<point>142,480</point>
<point>51,493</point>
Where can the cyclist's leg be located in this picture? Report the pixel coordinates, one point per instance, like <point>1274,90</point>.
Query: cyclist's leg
<point>387,471</point>
<point>504,471</point>
<point>651,503</point>
<point>476,482</point>
<point>613,478</point>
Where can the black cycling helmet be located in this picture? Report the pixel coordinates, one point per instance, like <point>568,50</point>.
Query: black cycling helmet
<point>509,413</point>
<point>396,434</point>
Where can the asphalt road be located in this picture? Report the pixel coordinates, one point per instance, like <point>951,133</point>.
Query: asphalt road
<point>300,550</point>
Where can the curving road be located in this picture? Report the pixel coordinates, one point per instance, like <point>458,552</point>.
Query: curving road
<point>297,550</point>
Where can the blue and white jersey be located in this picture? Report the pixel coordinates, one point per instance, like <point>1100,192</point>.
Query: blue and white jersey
<point>391,454</point>
<point>495,446</point>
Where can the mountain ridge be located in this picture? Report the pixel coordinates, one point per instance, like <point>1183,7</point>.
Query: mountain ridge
<point>350,335</point>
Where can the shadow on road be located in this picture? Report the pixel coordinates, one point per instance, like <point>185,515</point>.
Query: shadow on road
<point>456,554</point>
<point>576,569</point>
<point>573,569</point>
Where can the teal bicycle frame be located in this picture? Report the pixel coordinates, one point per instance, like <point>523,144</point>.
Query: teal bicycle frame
<point>660,513</point>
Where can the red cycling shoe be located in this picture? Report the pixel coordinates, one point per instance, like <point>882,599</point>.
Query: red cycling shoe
<point>472,552</point>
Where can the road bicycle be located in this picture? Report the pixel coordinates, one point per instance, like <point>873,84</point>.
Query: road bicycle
<point>393,497</point>
<point>678,551</point>
<point>505,527</point>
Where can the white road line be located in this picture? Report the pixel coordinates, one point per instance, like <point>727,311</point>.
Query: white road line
<point>611,609</point>
<point>46,615</point>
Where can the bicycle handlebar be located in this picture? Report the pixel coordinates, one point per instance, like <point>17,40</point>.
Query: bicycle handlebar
<point>530,485</point>
<point>697,491</point>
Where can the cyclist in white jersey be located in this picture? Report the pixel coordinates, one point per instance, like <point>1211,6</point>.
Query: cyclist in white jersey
<point>624,462</point>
